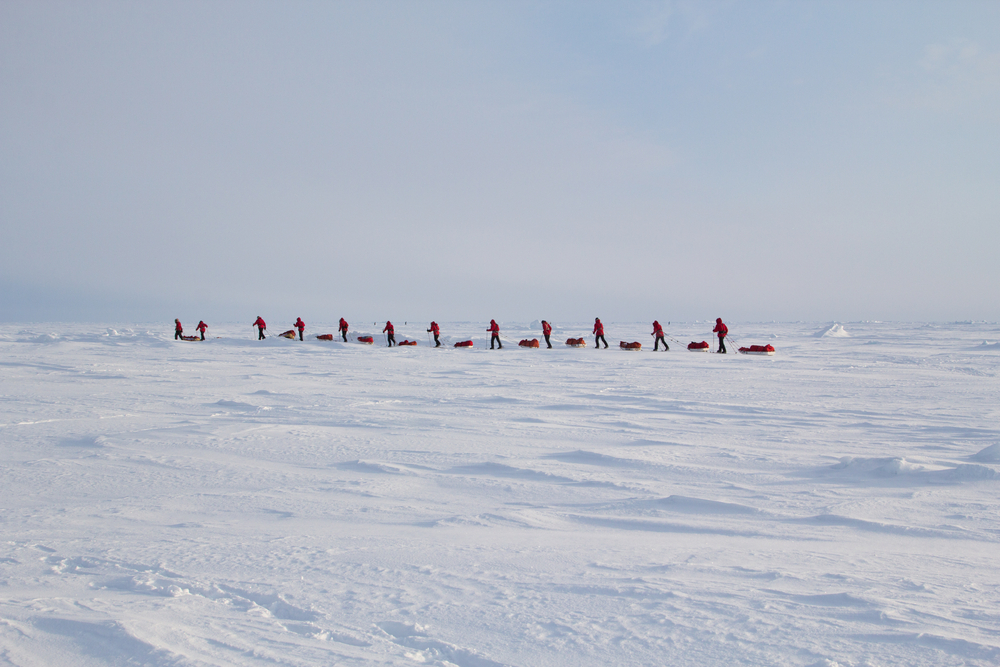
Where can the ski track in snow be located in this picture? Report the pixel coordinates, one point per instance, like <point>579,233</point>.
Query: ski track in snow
<point>236,502</point>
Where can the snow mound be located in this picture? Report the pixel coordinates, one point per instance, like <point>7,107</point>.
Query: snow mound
<point>835,330</point>
<point>971,472</point>
<point>986,345</point>
<point>879,467</point>
<point>989,455</point>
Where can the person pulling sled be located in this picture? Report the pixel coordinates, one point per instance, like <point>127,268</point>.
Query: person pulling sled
<point>547,331</point>
<point>658,332</point>
<point>599,334</point>
<point>301,326</point>
<point>201,327</point>
<point>495,330</point>
<point>390,333</point>
<point>178,329</point>
<point>343,328</point>
<point>436,330</point>
<point>261,326</point>
<point>722,330</point>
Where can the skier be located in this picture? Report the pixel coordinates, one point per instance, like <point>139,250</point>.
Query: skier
<point>495,330</point>
<point>547,331</point>
<point>261,325</point>
<point>301,326</point>
<point>599,334</point>
<point>658,332</point>
<point>391,331</point>
<point>436,330</point>
<point>201,327</point>
<point>178,329</point>
<point>343,328</point>
<point>722,330</point>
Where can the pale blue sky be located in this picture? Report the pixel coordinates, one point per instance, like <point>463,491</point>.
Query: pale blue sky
<point>463,161</point>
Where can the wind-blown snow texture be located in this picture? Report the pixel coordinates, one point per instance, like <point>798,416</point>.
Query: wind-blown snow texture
<point>287,503</point>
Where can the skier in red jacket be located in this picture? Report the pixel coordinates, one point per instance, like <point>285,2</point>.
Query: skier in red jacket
<point>436,330</point>
<point>261,325</point>
<point>658,332</point>
<point>599,334</point>
<point>495,330</point>
<point>178,329</point>
<point>723,331</point>
<point>301,326</point>
<point>547,331</point>
<point>391,331</point>
<point>343,328</point>
<point>201,327</point>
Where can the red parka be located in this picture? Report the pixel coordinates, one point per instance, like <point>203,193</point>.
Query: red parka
<point>546,328</point>
<point>177,326</point>
<point>299,324</point>
<point>494,327</point>
<point>657,329</point>
<point>720,328</point>
<point>389,327</point>
<point>598,327</point>
<point>260,323</point>
<point>343,324</point>
<point>435,329</point>
<point>201,326</point>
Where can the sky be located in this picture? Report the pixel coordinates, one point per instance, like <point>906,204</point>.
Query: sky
<point>465,161</point>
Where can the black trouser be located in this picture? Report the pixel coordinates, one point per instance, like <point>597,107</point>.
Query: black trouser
<point>177,334</point>
<point>437,342</point>
<point>656,344</point>
<point>343,332</point>
<point>496,337</point>
<point>547,340</point>
<point>722,344</point>
<point>260,333</point>
<point>391,339</point>
<point>203,335</point>
<point>597,341</point>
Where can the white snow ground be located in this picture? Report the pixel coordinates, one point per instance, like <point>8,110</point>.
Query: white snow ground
<point>237,502</point>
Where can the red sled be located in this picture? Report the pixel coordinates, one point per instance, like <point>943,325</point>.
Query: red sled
<point>325,337</point>
<point>367,340</point>
<point>698,347</point>
<point>758,349</point>
<point>190,337</point>
<point>288,334</point>
<point>407,342</point>
<point>529,343</point>
<point>576,342</point>
<point>629,346</point>
<point>464,343</point>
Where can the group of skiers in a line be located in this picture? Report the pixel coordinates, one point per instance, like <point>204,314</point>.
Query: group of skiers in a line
<point>720,329</point>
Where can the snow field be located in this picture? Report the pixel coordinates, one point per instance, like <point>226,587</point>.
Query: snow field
<point>236,502</point>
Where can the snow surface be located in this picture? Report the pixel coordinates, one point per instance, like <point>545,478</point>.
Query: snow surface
<point>236,502</point>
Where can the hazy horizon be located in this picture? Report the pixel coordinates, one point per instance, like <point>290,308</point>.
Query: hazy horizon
<point>757,161</point>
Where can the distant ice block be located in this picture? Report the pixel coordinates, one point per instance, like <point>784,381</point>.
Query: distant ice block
<point>835,330</point>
